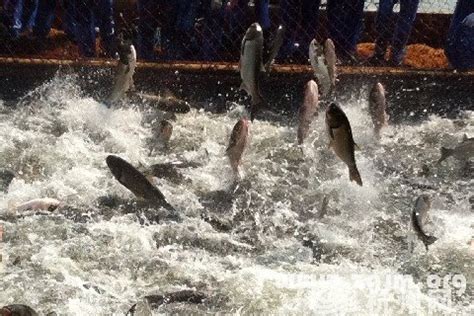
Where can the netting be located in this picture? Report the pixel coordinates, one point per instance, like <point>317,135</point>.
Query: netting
<point>375,32</point>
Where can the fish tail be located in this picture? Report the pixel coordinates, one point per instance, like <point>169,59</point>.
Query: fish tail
<point>445,153</point>
<point>428,240</point>
<point>377,132</point>
<point>354,175</point>
<point>300,135</point>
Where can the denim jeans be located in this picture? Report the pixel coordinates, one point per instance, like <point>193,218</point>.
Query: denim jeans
<point>88,15</point>
<point>460,43</point>
<point>19,15</point>
<point>176,20</point>
<point>398,38</point>
<point>44,17</point>
<point>345,19</point>
<point>46,14</point>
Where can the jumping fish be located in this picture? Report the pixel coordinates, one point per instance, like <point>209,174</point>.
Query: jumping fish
<point>419,216</point>
<point>320,67</point>
<point>135,181</point>
<point>377,108</point>
<point>237,144</point>
<point>331,60</point>
<point>251,65</point>
<point>124,72</point>
<point>308,110</point>
<point>341,140</point>
<point>276,44</point>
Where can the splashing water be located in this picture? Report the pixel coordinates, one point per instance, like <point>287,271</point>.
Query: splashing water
<point>279,258</point>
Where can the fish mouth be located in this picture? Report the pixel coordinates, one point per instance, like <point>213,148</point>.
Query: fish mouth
<point>332,110</point>
<point>245,122</point>
<point>112,163</point>
<point>253,31</point>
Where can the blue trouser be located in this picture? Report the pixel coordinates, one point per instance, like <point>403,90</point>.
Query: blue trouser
<point>19,15</point>
<point>460,43</point>
<point>345,19</point>
<point>44,17</point>
<point>88,15</point>
<point>300,19</point>
<point>399,37</point>
<point>263,13</point>
<point>177,27</point>
<point>46,14</point>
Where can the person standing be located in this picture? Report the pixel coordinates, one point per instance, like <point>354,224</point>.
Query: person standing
<point>345,25</point>
<point>19,16</point>
<point>398,38</point>
<point>460,44</point>
<point>89,14</point>
<point>45,18</point>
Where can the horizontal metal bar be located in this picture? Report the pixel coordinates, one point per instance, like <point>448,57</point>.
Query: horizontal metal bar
<point>229,66</point>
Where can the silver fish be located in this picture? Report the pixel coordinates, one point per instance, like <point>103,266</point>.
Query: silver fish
<point>43,204</point>
<point>237,144</point>
<point>308,110</point>
<point>320,67</point>
<point>377,108</point>
<point>167,102</point>
<point>276,44</point>
<point>251,65</point>
<point>463,151</point>
<point>341,141</point>
<point>124,72</point>
<point>135,181</point>
<point>419,216</point>
<point>17,310</point>
<point>331,60</point>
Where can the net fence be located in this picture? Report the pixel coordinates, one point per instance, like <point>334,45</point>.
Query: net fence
<point>374,32</point>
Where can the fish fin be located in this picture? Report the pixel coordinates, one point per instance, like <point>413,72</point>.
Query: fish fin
<point>356,147</point>
<point>445,153</point>
<point>262,68</point>
<point>243,87</point>
<point>168,94</point>
<point>354,175</point>
<point>428,240</point>
<point>149,177</point>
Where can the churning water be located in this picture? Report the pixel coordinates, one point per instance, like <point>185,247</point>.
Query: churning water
<point>278,257</point>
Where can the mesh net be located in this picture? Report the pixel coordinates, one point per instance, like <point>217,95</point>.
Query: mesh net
<point>385,32</point>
